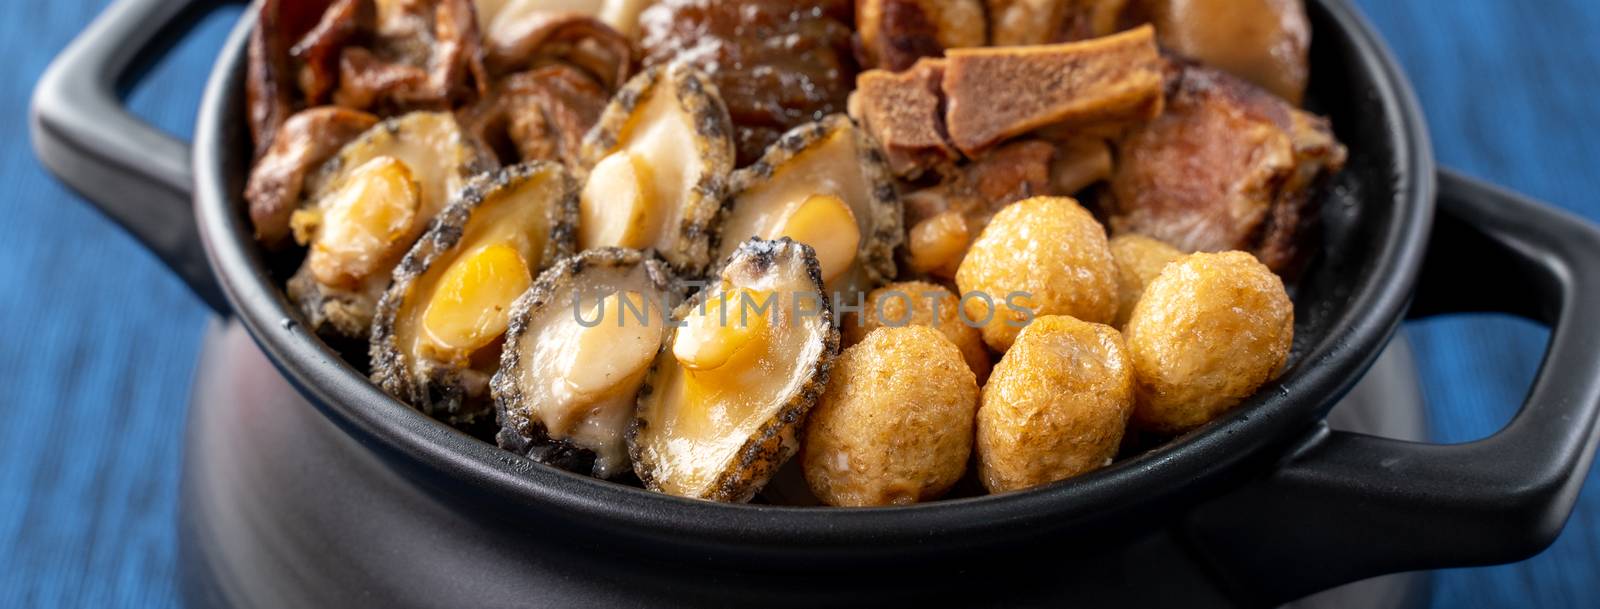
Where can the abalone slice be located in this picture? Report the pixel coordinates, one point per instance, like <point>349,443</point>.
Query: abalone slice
<point>825,184</point>
<point>436,337</point>
<point>749,359</point>
<point>301,145</point>
<point>365,207</point>
<point>575,356</point>
<point>658,163</point>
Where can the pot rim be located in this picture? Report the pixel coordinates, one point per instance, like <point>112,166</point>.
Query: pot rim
<point>1269,419</point>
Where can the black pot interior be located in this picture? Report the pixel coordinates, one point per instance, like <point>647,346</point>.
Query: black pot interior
<point>1375,219</point>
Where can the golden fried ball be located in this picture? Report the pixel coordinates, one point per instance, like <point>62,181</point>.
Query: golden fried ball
<point>1056,405</point>
<point>1209,331</point>
<point>914,303</point>
<point>1139,259</point>
<point>895,424</point>
<point>1049,248</point>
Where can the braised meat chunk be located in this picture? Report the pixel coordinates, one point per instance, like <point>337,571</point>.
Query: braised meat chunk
<point>995,94</point>
<point>942,111</point>
<point>904,112</point>
<point>1228,166</point>
<point>270,87</point>
<point>778,63</point>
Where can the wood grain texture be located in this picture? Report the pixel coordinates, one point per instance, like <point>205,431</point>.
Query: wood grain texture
<point>97,341</point>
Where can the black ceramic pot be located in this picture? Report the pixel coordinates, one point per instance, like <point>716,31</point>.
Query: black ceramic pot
<point>1264,505</point>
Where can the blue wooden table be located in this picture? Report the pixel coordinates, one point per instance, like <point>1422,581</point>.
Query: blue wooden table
<point>97,341</point>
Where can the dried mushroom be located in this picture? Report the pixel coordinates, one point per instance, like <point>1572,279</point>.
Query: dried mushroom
<point>893,34</point>
<point>658,164</point>
<point>539,115</point>
<point>271,85</point>
<point>525,37</point>
<point>575,355</point>
<point>556,67</point>
<point>725,400</point>
<point>382,56</point>
<point>826,185</point>
<point>436,337</point>
<point>422,54</point>
<point>1228,166</point>
<point>778,63</point>
<point>365,207</point>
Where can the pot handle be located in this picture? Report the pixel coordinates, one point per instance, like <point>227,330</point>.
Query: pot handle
<point>134,173</point>
<point>1346,506</point>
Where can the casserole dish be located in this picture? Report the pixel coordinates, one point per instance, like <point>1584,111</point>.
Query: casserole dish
<point>1261,495</point>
